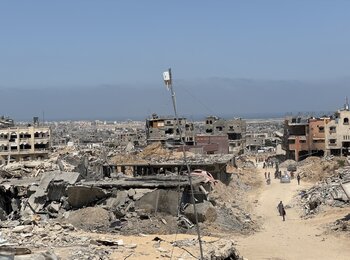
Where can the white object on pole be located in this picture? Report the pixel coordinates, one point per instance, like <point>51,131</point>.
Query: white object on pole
<point>167,78</point>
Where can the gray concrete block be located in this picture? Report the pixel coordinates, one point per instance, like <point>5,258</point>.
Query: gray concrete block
<point>81,196</point>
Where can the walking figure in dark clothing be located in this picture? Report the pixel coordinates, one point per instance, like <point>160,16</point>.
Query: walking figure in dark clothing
<point>283,214</point>
<point>280,207</point>
<point>298,178</point>
<point>281,210</point>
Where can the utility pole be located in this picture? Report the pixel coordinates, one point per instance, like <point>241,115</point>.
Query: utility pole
<point>168,82</point>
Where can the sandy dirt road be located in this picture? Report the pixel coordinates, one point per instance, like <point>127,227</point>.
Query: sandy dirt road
<point>294,238</point>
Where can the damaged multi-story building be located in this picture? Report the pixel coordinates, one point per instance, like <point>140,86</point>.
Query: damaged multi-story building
<point>254,141</point>
<point>164,129</point>
<point>327,135</point>
<point>6,122</point>
<point>337,133</point>
<point>235,129</point>
<point>217,136</point>
<point>23,142</point>
<point>304,137</point>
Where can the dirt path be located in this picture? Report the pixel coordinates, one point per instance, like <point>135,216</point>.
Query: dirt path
<point>295,238</point>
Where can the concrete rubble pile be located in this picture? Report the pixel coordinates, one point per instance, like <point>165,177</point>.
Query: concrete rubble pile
<point>89,162</point>
<point>288,163</point>
<point>243,162</point>
<point>127,205</point>
<point>231,215</point>
<point>327,192</point>
<point>57,192</point>
<point>318,169</point>
<point>221,249</point>
<point>341,225</point>
<point>30,168</point>
<point>64,238</point>
<point>47,203</point>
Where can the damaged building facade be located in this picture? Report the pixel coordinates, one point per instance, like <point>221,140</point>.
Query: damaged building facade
<point>6,122</point>
<point>304,137</point>
<point>235,129</point>
<point>217,136</point>
<point>164,129</point>
<point>19,143</point>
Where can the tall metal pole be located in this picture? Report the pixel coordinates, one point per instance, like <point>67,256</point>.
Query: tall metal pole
<point>170,86</point>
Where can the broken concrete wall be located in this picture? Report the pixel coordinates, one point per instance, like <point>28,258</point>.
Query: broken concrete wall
<point>81,196</point>
<point>166,201</point>
<point>205,212</point>
<point>56,190</point>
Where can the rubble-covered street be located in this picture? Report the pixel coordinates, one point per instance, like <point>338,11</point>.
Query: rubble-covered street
<point>101,202</point>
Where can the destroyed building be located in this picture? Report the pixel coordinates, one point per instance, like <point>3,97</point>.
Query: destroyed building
<point>304,137</point>
<point>235,129</point>
<point>211,144</point>
<point>217,136</point>
<point>254,141</point>
<point>165,130</point>
<point>24,142</point>
<point>328,135</point>
<point>263,135</point>
<point>92,134</point>
<point>215,164</point>
<point>6,122</point>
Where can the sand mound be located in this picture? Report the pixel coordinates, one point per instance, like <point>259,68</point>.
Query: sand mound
<point>90,218</point>
<point>318,169</point>
<point>154,150</point>
<point>286,163</point>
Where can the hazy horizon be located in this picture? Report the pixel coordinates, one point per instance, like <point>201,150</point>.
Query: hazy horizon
<point>88,59</point>
<point>198,98</point>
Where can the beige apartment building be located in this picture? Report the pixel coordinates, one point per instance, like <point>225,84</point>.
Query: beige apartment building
<point>337,138</point>
<point>24,143</point>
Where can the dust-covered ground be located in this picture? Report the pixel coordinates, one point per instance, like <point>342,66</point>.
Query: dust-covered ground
<point>295,238</point>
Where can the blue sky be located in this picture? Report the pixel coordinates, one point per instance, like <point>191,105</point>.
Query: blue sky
<point>86,44</point>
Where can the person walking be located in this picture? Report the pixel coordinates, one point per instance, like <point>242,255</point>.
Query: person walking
<point>280,207</point>
<point>298,178</point>
<point>283,214</point>
<point>265,176</point>
<point>281,210</point>
<point>268,175</point>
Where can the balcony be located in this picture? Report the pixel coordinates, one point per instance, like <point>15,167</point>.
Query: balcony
<point>42,140</point>
<point>4,142</point>
<point>24,152</point>
<point>24,140</point>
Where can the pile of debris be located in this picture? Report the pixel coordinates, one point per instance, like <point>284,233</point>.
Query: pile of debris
<point>63,240</point>
<point>66,242</point>
<point>317,169</point>
<point>328,192</point>
<point>64,201</point>
<point>243,162</point>
<point>27,169</point>
<point>57,192</point>
<point>341,225</point>
<point>231,202</point>
<point>288,163</point>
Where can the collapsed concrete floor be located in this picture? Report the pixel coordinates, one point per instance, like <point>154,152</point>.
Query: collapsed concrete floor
<point>48,211</point>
